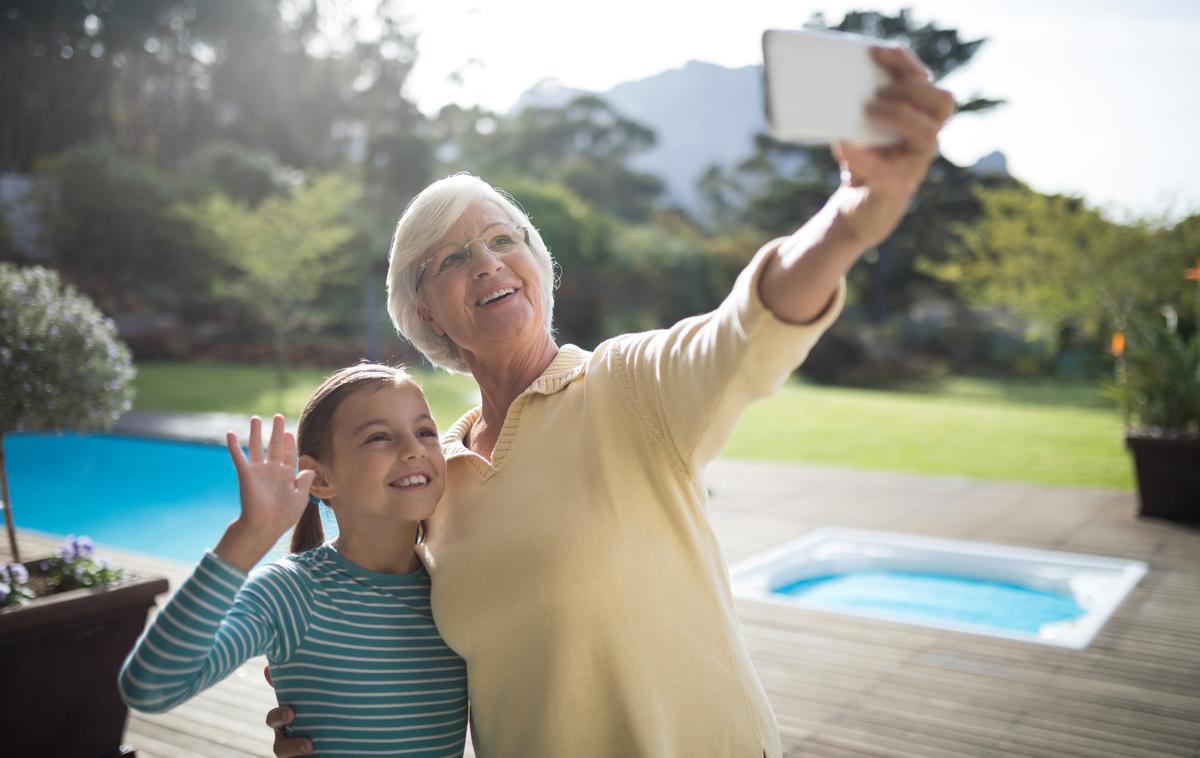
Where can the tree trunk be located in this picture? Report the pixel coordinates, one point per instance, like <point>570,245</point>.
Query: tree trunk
<point>281,360</point>
<point>877,308</point>
<point>8,519</point>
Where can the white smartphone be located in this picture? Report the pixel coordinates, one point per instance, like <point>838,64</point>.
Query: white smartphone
<point>817,85</point>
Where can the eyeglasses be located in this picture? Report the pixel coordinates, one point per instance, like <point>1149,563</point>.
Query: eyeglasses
<point>499,239</point>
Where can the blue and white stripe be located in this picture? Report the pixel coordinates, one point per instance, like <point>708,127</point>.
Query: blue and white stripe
<point>354,652</point>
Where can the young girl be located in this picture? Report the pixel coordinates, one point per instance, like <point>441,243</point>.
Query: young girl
<point>346,625</point>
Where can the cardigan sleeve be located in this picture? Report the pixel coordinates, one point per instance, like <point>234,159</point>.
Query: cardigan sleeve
<point>693,380</point>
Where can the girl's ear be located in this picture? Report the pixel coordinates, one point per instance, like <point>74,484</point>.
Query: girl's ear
<point>321,486</point>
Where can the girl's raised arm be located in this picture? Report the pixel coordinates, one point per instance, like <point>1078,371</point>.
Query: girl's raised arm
<point>221,616</point>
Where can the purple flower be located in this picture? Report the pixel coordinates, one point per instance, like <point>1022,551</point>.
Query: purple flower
<point>19,574</point>
<point>3,592</point>
<point>44,565</point>
<point>85,547</point>
<point>69,549</point>
<point>80,573</point>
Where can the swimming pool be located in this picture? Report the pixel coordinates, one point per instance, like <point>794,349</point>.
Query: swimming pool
<point>159,497</point>
<point>1043,596</point>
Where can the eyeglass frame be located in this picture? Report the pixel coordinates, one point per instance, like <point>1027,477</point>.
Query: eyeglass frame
<point>466,247</point>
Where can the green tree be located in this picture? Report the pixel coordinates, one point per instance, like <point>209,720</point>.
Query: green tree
<point>285,251</point>
<point>585,145</point>
<point>108,218</point>
<point>236,171</point>
<point>135,73</point>
<point>1052,260</point>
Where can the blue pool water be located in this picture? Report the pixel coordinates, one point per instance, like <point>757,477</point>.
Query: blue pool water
<point>921,596</point>
<point>164,498</point>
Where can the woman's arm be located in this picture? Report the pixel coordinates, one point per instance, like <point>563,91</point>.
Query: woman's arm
<point>878,185</point>
<point>691,382</point>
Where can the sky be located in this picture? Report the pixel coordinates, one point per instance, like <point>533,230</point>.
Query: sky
<point>1103,95</point>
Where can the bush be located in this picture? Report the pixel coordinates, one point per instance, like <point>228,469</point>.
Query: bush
<point>1160,390</point>
<point>62,365</point>
<point>239,172</point>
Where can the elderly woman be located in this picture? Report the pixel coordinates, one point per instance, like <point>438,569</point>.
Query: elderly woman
<point>573,565</point>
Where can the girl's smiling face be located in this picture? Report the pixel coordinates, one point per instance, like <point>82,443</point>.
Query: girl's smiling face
<point>385,457</point>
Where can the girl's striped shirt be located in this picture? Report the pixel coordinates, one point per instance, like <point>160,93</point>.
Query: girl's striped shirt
<point>353,652</point>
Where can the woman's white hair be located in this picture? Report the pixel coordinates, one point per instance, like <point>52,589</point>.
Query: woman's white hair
<point>425,221</point>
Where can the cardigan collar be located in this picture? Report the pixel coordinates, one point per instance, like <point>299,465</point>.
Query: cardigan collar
<point>570,363</point>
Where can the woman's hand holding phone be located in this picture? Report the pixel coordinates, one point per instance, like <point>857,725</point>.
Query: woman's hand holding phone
<point>879,182</point>
<point>875,103</point>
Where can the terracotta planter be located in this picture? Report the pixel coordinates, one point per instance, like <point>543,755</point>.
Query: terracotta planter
<point>59,659</point>
<point>1168,476</point>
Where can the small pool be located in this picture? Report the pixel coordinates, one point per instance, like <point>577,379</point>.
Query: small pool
<point>159,497</point>
<point>1042,596</point>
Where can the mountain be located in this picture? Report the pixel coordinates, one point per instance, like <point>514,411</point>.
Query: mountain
<point>702,113</point>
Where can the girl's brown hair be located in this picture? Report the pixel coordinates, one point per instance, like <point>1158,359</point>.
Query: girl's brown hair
<point>314,434</point>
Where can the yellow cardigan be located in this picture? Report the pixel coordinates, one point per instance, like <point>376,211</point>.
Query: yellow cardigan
<point>578,574</point>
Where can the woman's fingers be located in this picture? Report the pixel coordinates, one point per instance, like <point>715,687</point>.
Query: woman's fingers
<point>918,128</point>
<point>235,451</point>
<point>280,716</point>
<point>289,747</point>
<point>900,62</point>
<point>275,446</point>
<point>285,746</point>
<point>937,102</point>
<point>256,443</point>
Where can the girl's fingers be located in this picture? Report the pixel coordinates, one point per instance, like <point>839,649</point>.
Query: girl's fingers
<point>275,446</point>
<point>256,444</point>
<point>304,480</point>
<point>235,451</point>
<point>917,128</point>
<point>289,449</point>
<point>937,102</point>
<point>900,62</point>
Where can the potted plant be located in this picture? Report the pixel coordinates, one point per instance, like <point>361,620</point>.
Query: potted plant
<point>1159,389</point>
<point>66,621</point>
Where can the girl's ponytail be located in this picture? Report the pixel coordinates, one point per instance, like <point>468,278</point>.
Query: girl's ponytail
<point>308,532</point>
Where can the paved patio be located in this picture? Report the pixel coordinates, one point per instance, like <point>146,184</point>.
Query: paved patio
<point>844,686</point>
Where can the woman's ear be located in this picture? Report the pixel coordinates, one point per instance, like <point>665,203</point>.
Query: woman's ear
<point>321,486</point>
<point>425,315</point>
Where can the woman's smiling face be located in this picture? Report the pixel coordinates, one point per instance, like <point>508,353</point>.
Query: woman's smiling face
<point>494,301</point>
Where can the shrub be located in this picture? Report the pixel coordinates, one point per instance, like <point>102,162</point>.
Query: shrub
<point>1160,391</point>
<point>62,364</point>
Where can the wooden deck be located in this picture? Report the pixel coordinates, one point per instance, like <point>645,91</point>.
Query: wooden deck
<point>846,687</point>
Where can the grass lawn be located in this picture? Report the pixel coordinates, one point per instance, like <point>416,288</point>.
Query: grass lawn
<point>1040,432</point>
<point>203,387</point>
<point>1027,432</point>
